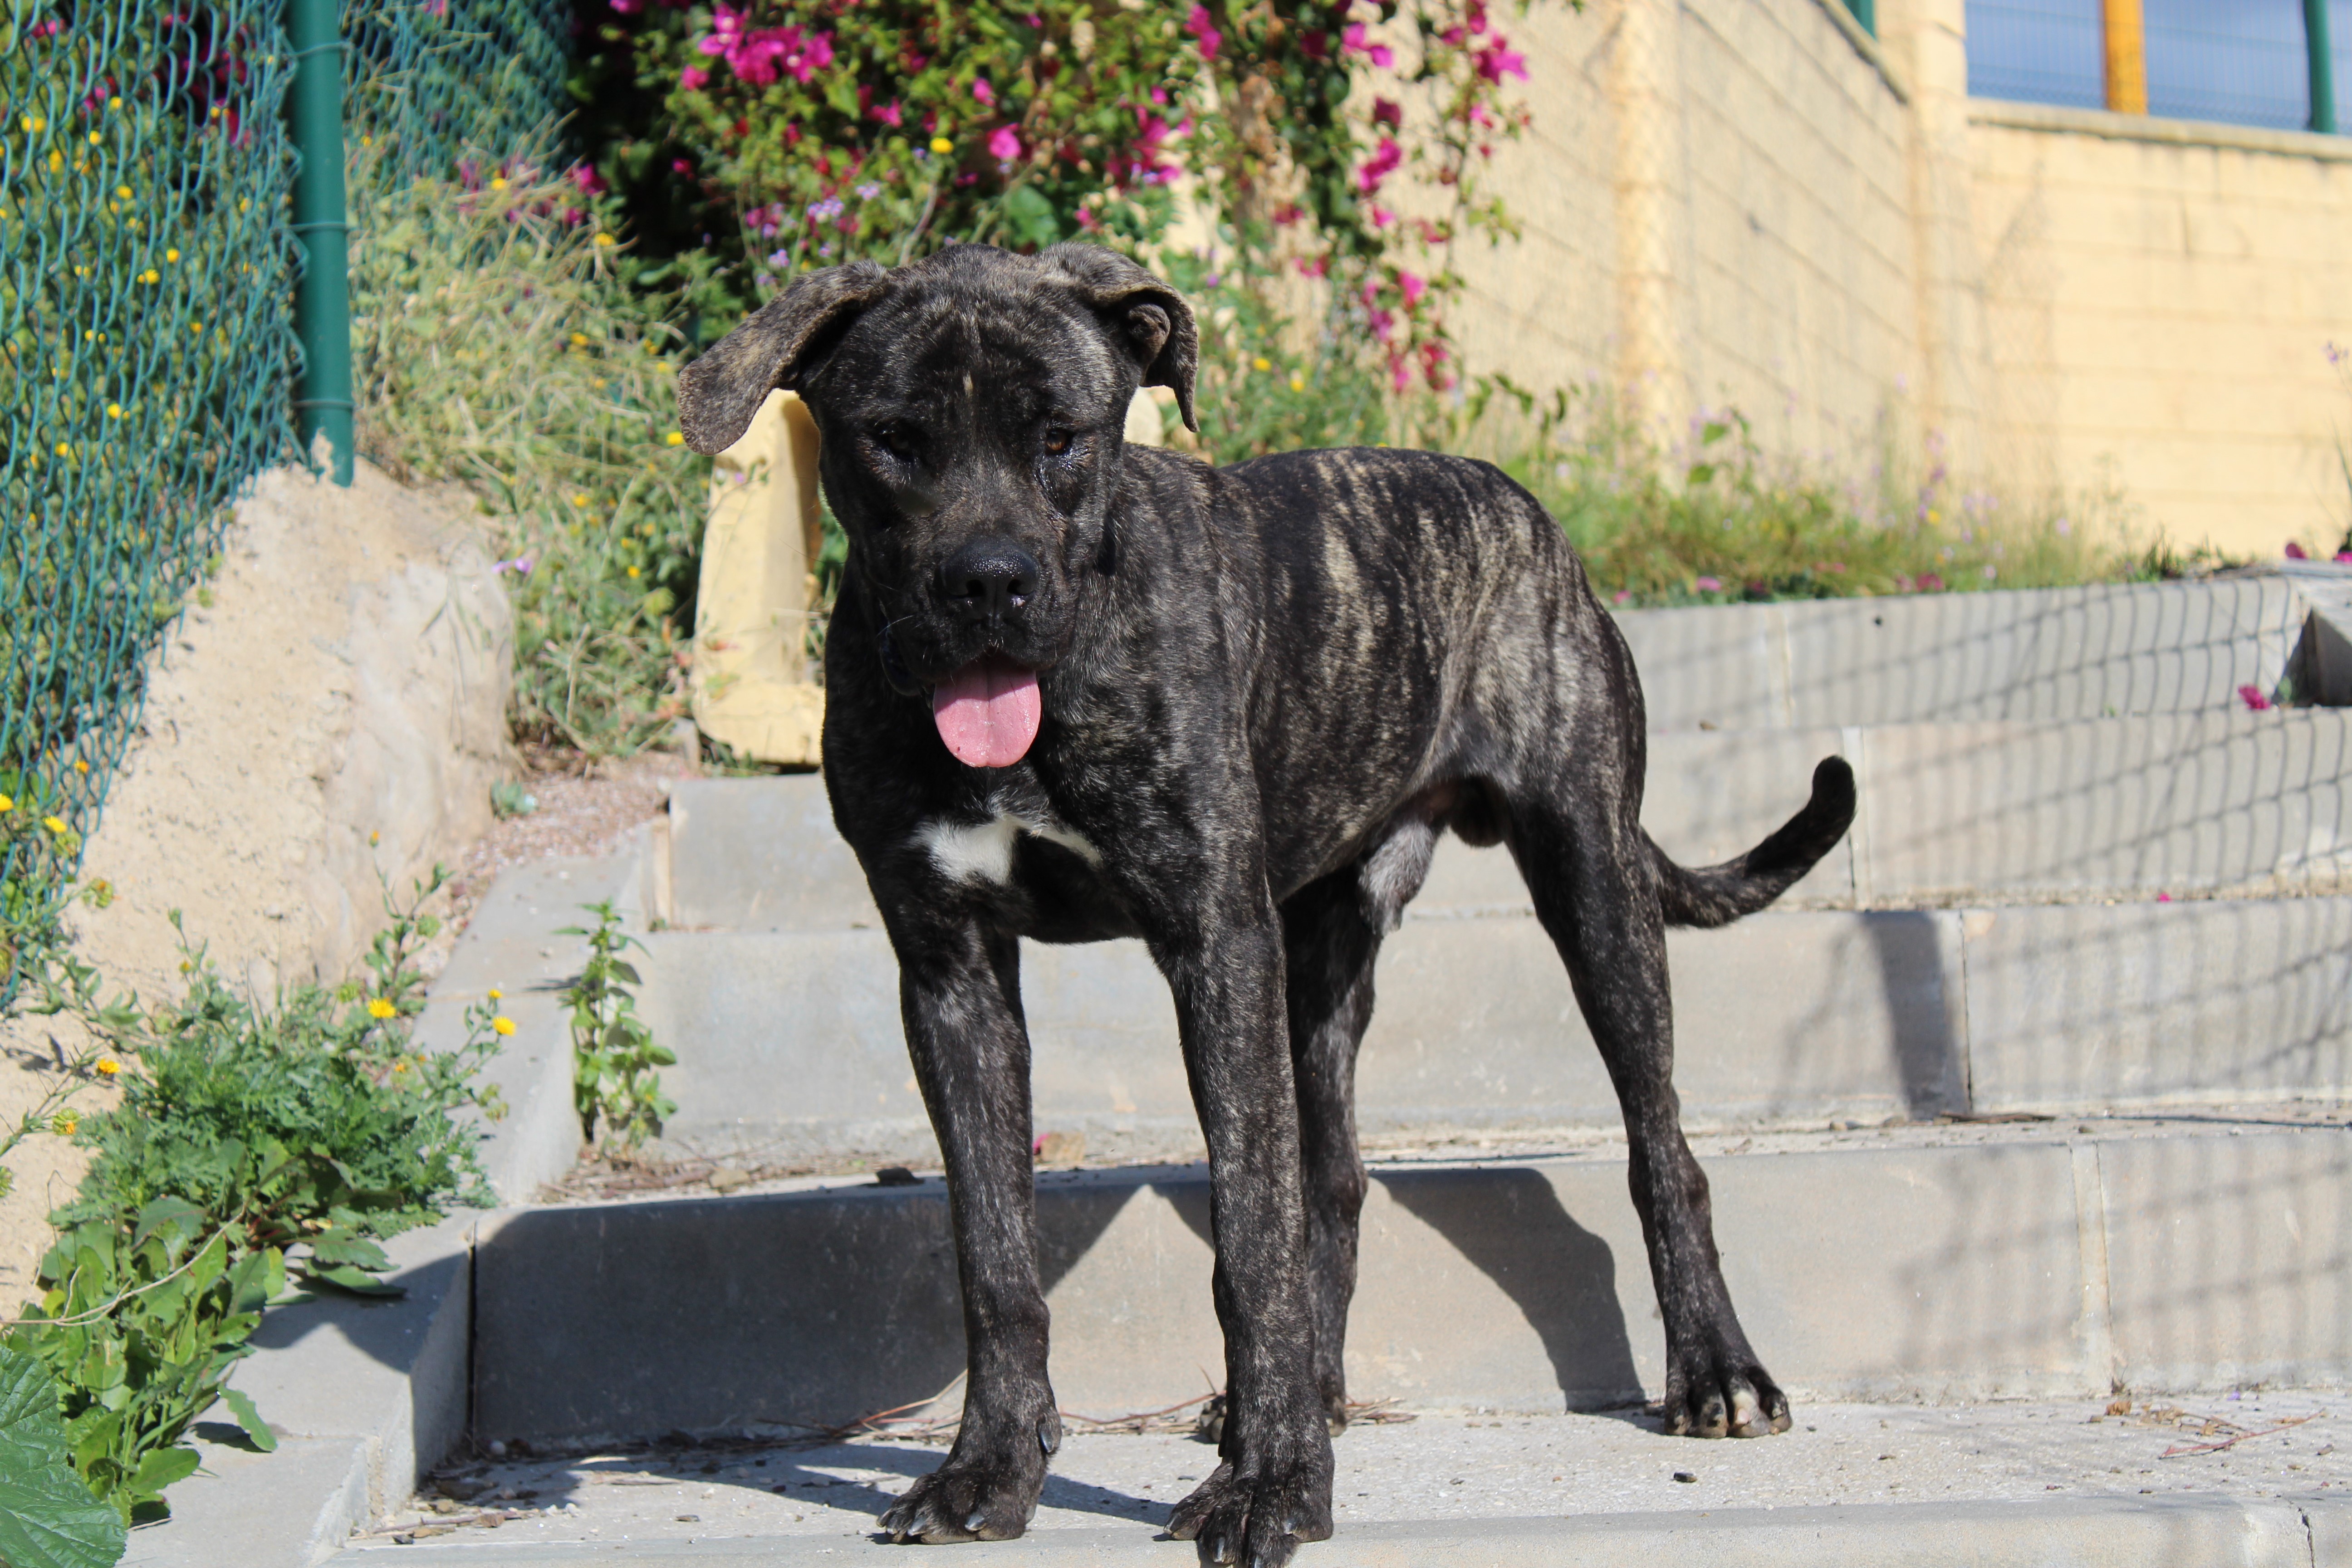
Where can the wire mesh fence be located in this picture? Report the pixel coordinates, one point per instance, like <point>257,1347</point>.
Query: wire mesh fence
<point>146,345</point>
<point>2240,62</point>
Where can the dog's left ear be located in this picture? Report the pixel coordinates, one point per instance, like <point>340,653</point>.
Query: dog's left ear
<point>1144,313</point>
<point>777,345</point>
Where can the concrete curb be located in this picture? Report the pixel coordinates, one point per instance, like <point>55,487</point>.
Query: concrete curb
<point>2209,1532</point>
<point>367,1396</point>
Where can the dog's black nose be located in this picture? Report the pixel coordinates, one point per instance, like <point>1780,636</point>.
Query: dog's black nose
<point>989,579</point>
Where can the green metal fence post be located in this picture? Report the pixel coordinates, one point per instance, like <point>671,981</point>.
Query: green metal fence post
<point>1866,13</point>
<point>2323,67</point>
<point>322,301</point>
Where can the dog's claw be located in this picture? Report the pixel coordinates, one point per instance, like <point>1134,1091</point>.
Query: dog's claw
<point>1254,1521</point>
<point>1719,1404</point>
<point>964,1502</point>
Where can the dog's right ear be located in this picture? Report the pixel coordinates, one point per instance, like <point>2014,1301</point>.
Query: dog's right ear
<point>776,346</point>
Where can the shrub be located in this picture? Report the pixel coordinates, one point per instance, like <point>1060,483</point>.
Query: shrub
<point>499,342</point>
<point>242,1131</point>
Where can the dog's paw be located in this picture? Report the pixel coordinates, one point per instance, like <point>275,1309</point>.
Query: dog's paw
<point>1720,1396</point>
<point>1255,1520</point>
<point>966,1501</point>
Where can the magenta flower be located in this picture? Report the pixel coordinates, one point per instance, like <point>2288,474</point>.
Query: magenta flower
<point>1708,584</point>
<point>1356,40</point>
<point>1201,28</point>
<point>1412,287</point>
<point>982,92</point>
<point>2252,696</point>
<point>590,182</point>
<point>1003,145</point>
<point>1495,62</point>
<point>694,78</point>
<point>2294,551</point>
<point>889,114</point>
<point>1380,165</point>
<point>1388,112</point>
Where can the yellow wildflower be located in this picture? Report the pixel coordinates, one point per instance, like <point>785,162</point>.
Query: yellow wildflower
<point>400,1067</point>
<point>604,240</point>
<point>172,255</point>
<point>81,766</point>
<point>1261,363</point>
<point>942,146</point>
<point>114,411</point>
<point>55,825</point>
<point>579,339</point>
<point>498,182</point>
<point>503,1024</point>
<point>497,994</point>
<point>66,1123</point>
<point>109,1065</point>
<point>1298,382</point>
<point>676,438</point>
<point>579,501</point>
<point>6,804</point>
<point>633,571</point>
<point>379,1008</point>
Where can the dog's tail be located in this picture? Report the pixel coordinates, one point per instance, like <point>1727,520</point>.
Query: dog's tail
<point>1718,895</point>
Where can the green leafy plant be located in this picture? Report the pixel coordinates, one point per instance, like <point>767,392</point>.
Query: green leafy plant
<point>252,1143</point>
<point>498,344</point>
<point>49,1519</point>
<point>613,1054</point>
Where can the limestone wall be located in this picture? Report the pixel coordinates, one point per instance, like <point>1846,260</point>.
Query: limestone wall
<point>1753,202</point>
<point>2160,297</point>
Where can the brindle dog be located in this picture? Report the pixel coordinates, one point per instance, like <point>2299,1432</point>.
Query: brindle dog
<point>1076,690</point>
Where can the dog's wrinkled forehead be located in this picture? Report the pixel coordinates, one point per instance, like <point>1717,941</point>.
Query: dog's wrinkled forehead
<point>1018,354</point>
<point>1076,319</point>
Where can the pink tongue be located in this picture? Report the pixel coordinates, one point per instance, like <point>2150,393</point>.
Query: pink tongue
<point>988,711</point>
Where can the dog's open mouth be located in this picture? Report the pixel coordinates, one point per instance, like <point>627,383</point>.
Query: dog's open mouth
<point>988,711</point>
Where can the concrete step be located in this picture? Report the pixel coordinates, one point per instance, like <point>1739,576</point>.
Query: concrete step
<point>2111,649</point>
<point>1944,1265</point>
<point>791,1045</point>
<point>2223,801</point>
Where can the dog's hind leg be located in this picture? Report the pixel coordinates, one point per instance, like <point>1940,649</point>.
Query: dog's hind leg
<point>1589,869</point>
<point>959,987</point>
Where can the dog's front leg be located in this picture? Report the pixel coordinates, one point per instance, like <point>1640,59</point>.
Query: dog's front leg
<point>1273,1488</point>
<point>959,987</point>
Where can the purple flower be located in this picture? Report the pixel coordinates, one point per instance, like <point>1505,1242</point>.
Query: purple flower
<point>521,566</point>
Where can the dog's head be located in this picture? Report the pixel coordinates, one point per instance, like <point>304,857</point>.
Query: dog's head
<point>970,407</point>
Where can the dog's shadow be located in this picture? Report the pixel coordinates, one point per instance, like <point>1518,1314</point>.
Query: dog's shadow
<point>1561,1276</point>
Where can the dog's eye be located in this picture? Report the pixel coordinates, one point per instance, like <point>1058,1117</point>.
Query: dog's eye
<point>895,439</point>
<point>1058,441</point>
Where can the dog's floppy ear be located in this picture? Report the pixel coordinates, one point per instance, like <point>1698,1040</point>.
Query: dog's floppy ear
<point>1151,317</point>
<point>777,345</point>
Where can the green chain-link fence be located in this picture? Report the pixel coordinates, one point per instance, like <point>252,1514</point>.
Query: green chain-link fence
<point>146,346</point>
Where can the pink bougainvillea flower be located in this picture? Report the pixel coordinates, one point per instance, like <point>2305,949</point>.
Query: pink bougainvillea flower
<point>2252,696</point>
<point>1623,596</point>
<point>2164,898</point>
<point>1317,45</point>
<point>1357,39</point>
<point>2294,551</point>
<point>888,114</point>
<point>693,79</point>
<point>1380,165</point>
<point>1930,582</point>
<point>1388,112</point>
<point>982,92</point>
<point>590,182</point>
<point>1382,217</point>
<point>1004,144</point>
<point>680,166</point>
<point>1708,584</point>
<point>1495,62</point>
<point>1204,31</point>
<point>1412,287</point>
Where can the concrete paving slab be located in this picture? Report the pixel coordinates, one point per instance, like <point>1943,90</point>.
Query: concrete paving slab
<point>793,1044</point>
<point>1900,1270</point>
<point>2151,1004</point>
<point>292,1508</point>
<point>2009,1478</point>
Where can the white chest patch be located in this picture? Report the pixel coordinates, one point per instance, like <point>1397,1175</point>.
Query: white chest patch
<point>984,853</point>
